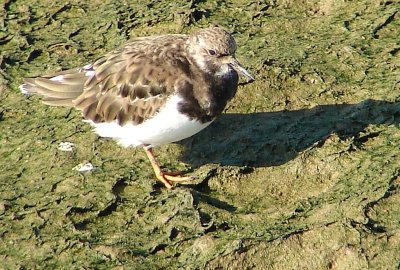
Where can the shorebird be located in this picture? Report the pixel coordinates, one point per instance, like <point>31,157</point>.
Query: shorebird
<point>152,90</point>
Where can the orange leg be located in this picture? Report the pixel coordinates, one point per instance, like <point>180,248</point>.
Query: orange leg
<point>164,177</point>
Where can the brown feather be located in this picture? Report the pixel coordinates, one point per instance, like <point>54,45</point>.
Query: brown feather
<point>89,112</point>
<point>84,101</point>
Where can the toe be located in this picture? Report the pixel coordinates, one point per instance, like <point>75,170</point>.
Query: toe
<point>176,178</point>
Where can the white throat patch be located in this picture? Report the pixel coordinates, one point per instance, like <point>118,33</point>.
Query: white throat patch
<point>224,70</point>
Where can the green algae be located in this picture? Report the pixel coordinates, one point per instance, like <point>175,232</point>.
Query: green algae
<point>301,172</point>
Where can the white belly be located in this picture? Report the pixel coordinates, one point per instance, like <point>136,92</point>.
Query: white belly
<point>166,126</point>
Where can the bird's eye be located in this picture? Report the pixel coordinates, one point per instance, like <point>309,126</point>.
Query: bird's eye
<point>211,52</point>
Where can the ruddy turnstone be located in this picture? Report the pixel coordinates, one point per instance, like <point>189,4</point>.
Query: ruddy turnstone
<point>151,91</point>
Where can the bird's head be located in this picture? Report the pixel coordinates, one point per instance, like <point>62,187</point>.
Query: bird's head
<point>213,50</point>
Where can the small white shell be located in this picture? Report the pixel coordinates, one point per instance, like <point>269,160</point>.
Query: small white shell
<point>84,167</point>
<point>66,146</point>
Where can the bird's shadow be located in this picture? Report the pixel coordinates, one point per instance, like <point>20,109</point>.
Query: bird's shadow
<point>273,138</point>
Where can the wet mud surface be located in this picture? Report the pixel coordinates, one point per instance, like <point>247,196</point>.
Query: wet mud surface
<point>301,172</point>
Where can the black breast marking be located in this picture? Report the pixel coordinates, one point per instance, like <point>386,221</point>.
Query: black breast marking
<point>215,92</point>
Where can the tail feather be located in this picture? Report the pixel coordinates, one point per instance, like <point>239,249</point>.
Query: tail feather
<point>59,89</point>
<point>58,102</point>
<point>64,85</point>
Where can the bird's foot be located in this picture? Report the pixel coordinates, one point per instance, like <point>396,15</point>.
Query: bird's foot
<point>167,177</point>
<point>164,177</point>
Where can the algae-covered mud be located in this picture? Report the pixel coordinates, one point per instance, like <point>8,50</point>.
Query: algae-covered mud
<point>301,172</point>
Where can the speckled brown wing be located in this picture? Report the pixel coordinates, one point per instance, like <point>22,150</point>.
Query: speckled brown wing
<point>133,82</point>
<point>129,84</point>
